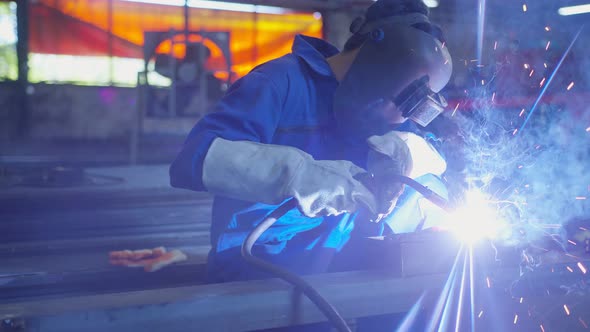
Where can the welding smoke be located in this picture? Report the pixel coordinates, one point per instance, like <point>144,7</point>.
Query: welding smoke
<point>540,177</point>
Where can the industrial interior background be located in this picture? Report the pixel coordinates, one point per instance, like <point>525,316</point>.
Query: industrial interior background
<point>93,110</point>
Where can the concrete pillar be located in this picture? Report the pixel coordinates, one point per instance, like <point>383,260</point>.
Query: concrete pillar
<point>22,53</point>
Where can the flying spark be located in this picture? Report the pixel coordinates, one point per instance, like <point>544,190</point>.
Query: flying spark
<point>542,328</point>
<point>582,267</point>
<point>527,258</point>
<point>493,96</point>
<point>570,86</point>
<point>567,310</point>
<point>572,242</point>
<point>580,198</point>
<point>515,319</point>
<point>588,129</point>
<point>582,322</point>
<point>545,64</point>
<point>570,269</point>
<point>542,82</point>
<point>488,282</point>
<point>547,46</point>
<point>521,299</point>
<point>495,45</point>
<point>480,314</point>
<point>524,8</point>
<point>531,73</point>
<point>457,106</point>
<point>514,132</point>
<point>559,63</point>
<point>547,28</point>
<point>522,113</point>
<point>526,66</point>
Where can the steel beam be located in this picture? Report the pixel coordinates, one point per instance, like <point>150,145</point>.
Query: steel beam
<point>236,306</point>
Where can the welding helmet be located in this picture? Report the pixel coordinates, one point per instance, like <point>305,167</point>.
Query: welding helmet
<point>396,75</point>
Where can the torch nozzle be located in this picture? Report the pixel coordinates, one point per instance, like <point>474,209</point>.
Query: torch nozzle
<point>430,195</point>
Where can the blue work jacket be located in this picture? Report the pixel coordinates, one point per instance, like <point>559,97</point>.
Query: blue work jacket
<point>287,101</point>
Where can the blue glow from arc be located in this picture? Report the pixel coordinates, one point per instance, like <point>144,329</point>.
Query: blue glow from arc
<point>446,314</point>
<point>471,290</point>
<point>406,324</point>
<point>542,93</point>
<point>480,29</point>
<point>444,295</point>
<point>447,303</point>
<point>452,296</point>
<point>461,292</point>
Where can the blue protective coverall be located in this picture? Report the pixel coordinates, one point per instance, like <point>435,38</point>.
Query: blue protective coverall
<point>287,101</point>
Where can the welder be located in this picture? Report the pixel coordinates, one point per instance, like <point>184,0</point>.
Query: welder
<point>301,126</point>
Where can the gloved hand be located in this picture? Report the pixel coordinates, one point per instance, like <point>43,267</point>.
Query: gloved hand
<point>270,174</point>
<point>388,156</point>
<point>399,153</point>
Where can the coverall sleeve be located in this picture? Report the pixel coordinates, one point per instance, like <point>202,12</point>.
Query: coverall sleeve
<point>250,111</point>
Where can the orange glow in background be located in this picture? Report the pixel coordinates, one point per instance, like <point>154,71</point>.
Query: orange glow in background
<point>80,27</point>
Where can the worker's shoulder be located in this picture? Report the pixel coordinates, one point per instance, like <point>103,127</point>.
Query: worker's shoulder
<point>282,69</point>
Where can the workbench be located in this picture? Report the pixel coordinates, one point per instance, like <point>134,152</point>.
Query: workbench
<point>55,276</point>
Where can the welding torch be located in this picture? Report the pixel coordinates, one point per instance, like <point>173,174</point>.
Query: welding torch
<point>316,298</point>
<point>372,182</point>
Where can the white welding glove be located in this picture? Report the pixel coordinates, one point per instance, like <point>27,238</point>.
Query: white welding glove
<point>393,146</point>
<point>270,174</point>
<point>388,156</point>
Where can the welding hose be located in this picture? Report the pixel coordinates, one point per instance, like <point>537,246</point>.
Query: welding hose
<point>322,304</point>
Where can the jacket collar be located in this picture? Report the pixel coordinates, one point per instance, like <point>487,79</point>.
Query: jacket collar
<point>314,52</point>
